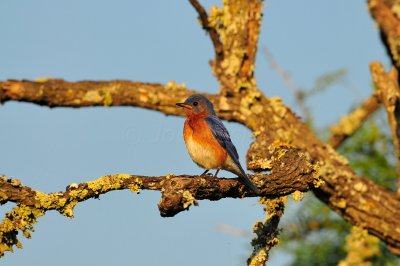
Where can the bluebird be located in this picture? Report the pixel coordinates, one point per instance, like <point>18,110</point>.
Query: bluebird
<point>208,141</point>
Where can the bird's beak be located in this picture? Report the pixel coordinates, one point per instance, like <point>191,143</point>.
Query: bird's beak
<point>184,105</point>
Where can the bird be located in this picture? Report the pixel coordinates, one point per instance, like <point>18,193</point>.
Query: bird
<point>208,141</point>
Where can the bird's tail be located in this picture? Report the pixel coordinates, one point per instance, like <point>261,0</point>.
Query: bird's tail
<point>246,181</point>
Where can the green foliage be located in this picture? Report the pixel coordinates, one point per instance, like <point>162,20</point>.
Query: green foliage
<point>371,153</point>
<point>315,235</point>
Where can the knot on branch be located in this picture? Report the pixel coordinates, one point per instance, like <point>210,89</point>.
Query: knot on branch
<point>175,198</point>
<point>180,192</point>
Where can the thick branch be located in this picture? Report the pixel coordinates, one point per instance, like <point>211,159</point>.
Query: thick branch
<point>291,173</point>
<point>355,198</point>
<point>273,124</point>
<point>349,124</point>
<point>238,24</point>
<point>58,93</point>
<point>178,193</point>
<point>153,96</point>
<point>387,17</point>
<point>388,86</point>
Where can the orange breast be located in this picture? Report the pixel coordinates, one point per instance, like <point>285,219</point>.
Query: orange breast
<point>203,148</point>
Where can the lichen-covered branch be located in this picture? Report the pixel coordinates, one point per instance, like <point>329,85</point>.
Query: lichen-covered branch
<point>361,248</point>
<point>238,24</point>
<point>389,91</point>
<point>178,193</point>
<point>266,232</point>
<point>60,93</point>
<point>387,16</point>
<point>275,127</point>
<point>297,159</point>
<point>346,193</point>
<point>350,123</point>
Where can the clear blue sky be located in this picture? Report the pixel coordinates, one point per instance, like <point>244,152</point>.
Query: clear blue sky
<point>152,41</point>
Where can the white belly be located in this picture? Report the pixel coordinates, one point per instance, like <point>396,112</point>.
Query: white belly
<point>202,155</point>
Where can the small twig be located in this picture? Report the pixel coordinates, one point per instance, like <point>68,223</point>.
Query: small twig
<point>219,53</point>
<point>388,86</point>
<point>350,123</point>
<point>287,80</point>
<point>267,232</point>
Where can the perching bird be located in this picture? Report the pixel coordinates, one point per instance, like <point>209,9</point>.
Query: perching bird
<point>207,139</point>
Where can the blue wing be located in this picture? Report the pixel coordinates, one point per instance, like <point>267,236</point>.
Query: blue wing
<point>220,132</point>
<point>222,135</point>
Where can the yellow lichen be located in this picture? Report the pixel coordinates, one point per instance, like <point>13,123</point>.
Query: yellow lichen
<point>42,79</point>
<point>341,203</point>
<point>73,186</point>
<point>361,187</point>
<point>172,85</point>
<point>259,259</point>
<point>188,199</point>
<point>68,209</point>
<point>20,218</point>
<point>169,176</point>
<point>78,193</point>
<point>135,187</point>
<point>261,164</point>
<point>106,183</point>
<point>107,99</point>
<point>336,155</point>
<point>257,109</point>
<point>297,195</point>
<point>223,103</point>
<point>361,248</point>
<point>16,183</point>
<point>279,108</point>
<point>93,96</point>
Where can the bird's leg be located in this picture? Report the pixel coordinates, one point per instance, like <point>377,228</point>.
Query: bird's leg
<point>205,172</point>
<point>216,173</point>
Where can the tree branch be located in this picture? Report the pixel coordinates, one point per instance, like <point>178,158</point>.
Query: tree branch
<point>267,232</point>
<point>355,198</point>
<point>386,16</point>
<point>178,193</point>
<point>279,135</point>
<point>215,38</point>
<point>350,123</point>
<point>238,24</point>
<point>388,86</point>
<point>277,131</point>
<point>60,93</point>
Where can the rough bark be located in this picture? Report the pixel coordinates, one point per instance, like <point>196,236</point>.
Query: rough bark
<point>386,14</point>
<point>297,159</point>
<point>178,193</point>
<point>267,232</point>
<point>389,92</point>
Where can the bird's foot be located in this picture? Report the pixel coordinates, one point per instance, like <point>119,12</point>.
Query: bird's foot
<point>205,172</point>
<point>216,173</point>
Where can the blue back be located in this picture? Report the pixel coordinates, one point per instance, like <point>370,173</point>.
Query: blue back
<point>222,135</point>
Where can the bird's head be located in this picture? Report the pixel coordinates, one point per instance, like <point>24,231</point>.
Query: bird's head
<point>197,104</point>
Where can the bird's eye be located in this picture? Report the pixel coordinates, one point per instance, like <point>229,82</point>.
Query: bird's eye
<point>195,103</point>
